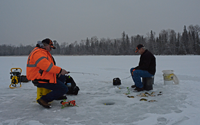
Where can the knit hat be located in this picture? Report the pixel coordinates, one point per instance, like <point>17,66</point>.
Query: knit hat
<point>48,41</point>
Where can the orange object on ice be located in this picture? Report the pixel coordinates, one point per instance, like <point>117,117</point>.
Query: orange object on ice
<point>69,103</point>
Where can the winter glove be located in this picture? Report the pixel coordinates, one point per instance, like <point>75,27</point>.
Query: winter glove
<point>132,72</point>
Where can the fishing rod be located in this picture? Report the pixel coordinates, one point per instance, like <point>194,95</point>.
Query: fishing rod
<point>117,81</point>
<point>126,77</point>
<point>83,73</point>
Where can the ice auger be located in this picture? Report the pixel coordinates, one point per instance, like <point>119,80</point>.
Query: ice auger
<point>16,78</point>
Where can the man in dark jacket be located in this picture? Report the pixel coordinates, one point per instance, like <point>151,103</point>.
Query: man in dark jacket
<point>146,67</point>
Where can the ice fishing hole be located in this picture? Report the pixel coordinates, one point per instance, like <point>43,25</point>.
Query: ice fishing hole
<point>109,103</point>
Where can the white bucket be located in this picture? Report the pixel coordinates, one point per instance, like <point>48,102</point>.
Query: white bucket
<point>169,77</point>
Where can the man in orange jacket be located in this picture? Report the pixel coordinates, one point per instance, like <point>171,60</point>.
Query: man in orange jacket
<point>43,72</point>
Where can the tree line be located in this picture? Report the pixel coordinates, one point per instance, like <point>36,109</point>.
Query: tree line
<point>168,42</point>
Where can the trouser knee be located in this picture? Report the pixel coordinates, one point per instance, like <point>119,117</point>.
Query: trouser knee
<point>131,70</point>
<point>63,89</point>
<point>135,73</point>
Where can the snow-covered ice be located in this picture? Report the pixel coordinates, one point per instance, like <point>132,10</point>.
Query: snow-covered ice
<point>178,104</point>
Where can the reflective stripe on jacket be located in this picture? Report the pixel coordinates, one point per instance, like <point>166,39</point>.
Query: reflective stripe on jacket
<point>41,67</point>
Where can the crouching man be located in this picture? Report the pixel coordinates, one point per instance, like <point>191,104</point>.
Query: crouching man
<point>43,72</point>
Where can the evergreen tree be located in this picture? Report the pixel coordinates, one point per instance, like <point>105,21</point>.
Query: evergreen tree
<point>167,43</point>
<point>185,40</point>
<point>151,42</point>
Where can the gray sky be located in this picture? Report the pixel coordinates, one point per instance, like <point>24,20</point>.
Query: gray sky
<point>27,21</point>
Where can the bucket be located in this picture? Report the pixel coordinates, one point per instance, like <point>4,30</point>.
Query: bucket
<point>169,77</point>
<point>41,92</point>
<point>148,83</point>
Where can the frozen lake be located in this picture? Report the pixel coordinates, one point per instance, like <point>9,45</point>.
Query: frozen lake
<point>178,104</point>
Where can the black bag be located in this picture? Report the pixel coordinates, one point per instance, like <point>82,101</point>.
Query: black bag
<point>116,81</point>
<point>72,88</point>
<point>23,78</point>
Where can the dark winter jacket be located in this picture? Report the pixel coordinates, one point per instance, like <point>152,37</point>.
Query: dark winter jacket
<point>147,62</point>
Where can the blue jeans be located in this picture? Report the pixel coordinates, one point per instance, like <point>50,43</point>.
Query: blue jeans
<point>137,75</point>
<point>58,89</point>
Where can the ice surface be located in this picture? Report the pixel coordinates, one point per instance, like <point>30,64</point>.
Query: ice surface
<point>178,104</point>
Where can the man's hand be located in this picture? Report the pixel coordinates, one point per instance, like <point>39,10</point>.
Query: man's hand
<point>63,72</point>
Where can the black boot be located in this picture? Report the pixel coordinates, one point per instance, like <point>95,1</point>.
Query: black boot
<point>133,86</point>
<point>139,89</point>
<point>61,98</point>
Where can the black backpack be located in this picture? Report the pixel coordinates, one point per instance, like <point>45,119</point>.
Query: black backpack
<point>72,88</point>
<point>116,81</point>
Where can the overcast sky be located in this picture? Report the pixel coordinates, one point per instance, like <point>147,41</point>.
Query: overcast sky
<point>28,21</point>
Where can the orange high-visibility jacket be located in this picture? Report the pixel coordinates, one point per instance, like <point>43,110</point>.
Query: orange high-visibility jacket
<point>41,67</point>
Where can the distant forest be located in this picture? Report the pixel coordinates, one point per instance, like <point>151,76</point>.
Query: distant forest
<point>168,42</point>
